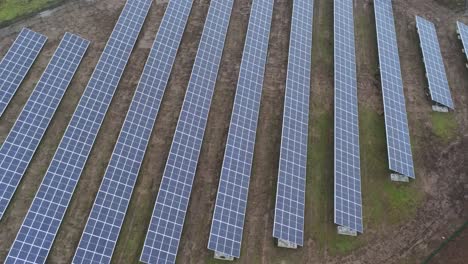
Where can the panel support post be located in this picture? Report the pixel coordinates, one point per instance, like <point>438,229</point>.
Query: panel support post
<point>346,231</point>
<point>286,244</point>
<point>441,109</point>
<point>221,256</point>
<point>399,177</point>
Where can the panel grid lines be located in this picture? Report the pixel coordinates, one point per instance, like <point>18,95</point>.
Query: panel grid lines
<point>18,148</point>
<point>231,201</point>
<point>103,226</point>
<point>165,229</point>
<point>396,121</point>
<point>17,62</point>
<point>41,224</point>
<point>434,63</point>
<point>348,202</point>
<point>290,194</point>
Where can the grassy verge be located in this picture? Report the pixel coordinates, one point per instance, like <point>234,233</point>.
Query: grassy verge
<point>132,235</point>
<point>385,202</point>
<point>11,10</point>
<point>444,126</point>
<point>320,184</point>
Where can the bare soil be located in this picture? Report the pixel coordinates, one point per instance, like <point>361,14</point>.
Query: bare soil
<point>441,166</point>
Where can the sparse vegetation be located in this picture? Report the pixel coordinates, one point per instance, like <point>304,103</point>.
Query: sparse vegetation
<point>444,126</point>
<point>385,202</point>
<point>14,9</point>
<point>320,180</point>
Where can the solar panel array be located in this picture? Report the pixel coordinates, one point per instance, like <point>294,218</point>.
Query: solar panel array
<point>228,218</point>
<point>17,62</point>
<point>18,148</point>
<point>348,202</point>
<point>107,215</point>
<point>37,233</point>
<point>165,229</point>
<point>396,122</point>
<point>290,194</point>
<point>463,32</point>
<point>435,69</point>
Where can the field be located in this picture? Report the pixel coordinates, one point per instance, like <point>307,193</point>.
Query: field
<point>13,10</point>
<point>404,223</point>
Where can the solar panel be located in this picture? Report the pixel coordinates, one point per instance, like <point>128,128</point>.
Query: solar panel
<point>17,62</point>
<point>462,30</point>
<point>163,236</point>
<point>348,203</point>
<point>37,233</point>
<point>18,148</point>
<point>435,69</point>
<point>231,201</point>
<point>107,215</point>
<point>290,194</point>
<point>400,157</point>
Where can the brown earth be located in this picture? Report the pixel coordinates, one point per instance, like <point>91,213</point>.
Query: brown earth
<point>455,250</point>
<point>441,166</point>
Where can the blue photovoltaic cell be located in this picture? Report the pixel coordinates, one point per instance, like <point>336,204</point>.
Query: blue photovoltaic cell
<point>107,215</point>
<point>435,69</point>
<point>17,62</point>
<point>37,233</point>
<point>400,157</point>
<point>163,236</point>
<point>463,33</point>
<point>290,194</point>
<point>18,148</point>
<point>348,202</point>
<point>231,201</point>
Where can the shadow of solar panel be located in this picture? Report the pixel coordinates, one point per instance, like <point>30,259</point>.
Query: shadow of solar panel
<point>435,69</point>
<point>348,202</point>
<point>231,201</point>
<point>17,62</point>
<point>37,233</point>
<point>18,148</point>
<point>400,157</point>
<point>102,229</point>
<point>290,194</point>
<point>163,236</point>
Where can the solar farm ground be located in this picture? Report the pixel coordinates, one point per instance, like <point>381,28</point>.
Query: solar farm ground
<point>403,223</point>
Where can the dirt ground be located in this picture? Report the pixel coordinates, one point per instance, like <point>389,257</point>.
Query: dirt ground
<point>455,251</point>
<point>441,165</point>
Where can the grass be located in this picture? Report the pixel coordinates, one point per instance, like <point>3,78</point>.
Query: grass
<point>321,164</point>
<point>132,235</point>
<point>11,10</point>
<point>320,186</point>
<point>385,202</point>
<point>324,38</point>
<point>444,126</point>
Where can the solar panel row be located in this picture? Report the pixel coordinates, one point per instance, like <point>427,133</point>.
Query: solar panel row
<point>462,30</point>
<point>100,235</point>
<point>435,69</point>
<point>290,194</point>
<point>18,148</point>
<point>17,62</point>
<point>231,201</point>
<point>348,202</point>
<point>37,233</point>
<point>165,229</point>
<point>396,122</point>
<point>107,215</point>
